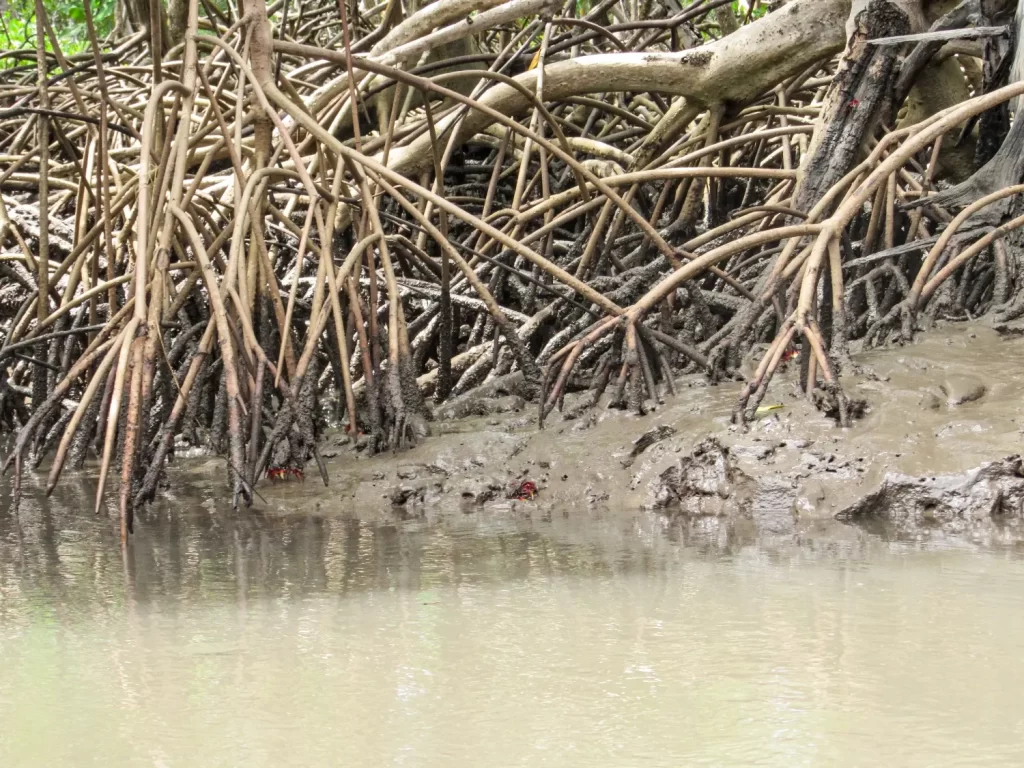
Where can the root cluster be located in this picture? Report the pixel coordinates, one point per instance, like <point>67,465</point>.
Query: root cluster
<point>316,213</point>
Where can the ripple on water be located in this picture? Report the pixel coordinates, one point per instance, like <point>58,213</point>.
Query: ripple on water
<point>592,639</point>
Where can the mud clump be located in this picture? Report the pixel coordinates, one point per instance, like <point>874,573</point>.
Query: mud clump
<point>646,440</point>
<point>701,483</point>
<point>407,495</point>
<point>960,390</point>
<point>980,503</point>
<point>479,491</point>
<point>477,404</point>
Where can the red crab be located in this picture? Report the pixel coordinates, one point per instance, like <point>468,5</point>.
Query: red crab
<point>525,491</point>
<point>283,473</point>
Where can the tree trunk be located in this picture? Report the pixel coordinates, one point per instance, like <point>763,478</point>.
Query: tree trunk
<point>177,21</point>
<point>859,96</point>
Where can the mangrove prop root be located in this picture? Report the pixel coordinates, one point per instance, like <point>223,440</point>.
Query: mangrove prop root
<point>290,218</point>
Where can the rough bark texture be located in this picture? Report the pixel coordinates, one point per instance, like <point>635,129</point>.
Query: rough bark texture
<point>177,21</point>
<point>859,95</point>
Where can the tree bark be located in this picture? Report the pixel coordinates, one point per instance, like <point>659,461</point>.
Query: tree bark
<point>177,21</point>
<point>859,95</point>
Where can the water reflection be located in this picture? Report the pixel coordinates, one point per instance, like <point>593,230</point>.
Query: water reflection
<point>603,638</point>
<point>191,547</point>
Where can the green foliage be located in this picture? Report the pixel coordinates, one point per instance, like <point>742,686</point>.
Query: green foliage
<point>754,9</point>
<point>67,17</point>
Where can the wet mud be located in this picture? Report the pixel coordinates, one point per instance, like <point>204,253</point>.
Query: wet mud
<point>934,455</point>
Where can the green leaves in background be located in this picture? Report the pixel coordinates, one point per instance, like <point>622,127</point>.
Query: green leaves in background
<point>18,23</point>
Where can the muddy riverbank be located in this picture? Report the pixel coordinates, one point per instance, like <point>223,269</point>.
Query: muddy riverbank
<point>933,456</point>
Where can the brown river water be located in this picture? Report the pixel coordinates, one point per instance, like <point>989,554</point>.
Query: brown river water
<point>497,638</point>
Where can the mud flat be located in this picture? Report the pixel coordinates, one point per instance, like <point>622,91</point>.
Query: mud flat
<point>935,454</point>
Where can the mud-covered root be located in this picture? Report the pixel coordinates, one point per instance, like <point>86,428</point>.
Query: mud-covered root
<point>634,351</point>
<point>405,414</point>
<point>897,326</point>
<point>568,356</point>
<point>636,384</point>
<point>818,362</point>
<point>757,386</point>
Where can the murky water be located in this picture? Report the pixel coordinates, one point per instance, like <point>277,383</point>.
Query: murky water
<point>496,639</point>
